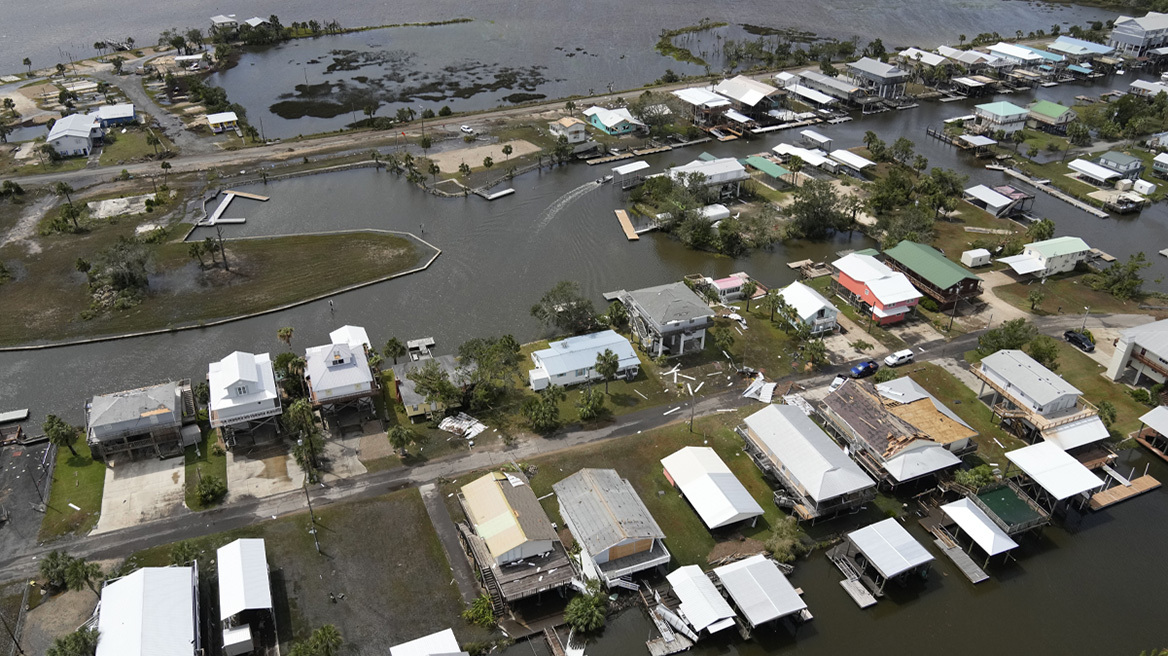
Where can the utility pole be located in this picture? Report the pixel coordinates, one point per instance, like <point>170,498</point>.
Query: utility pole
<point>308,499</point>
<point>12,635</point>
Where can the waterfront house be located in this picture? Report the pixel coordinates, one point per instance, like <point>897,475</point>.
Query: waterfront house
<point>729,289</point>
<point>1050,475</point>
<point>1129,167</point>
<point>886,296</point>
<point>75,135</point>
<point>1093,173</point>
<point>1160,165</point>
<point>668,319</point>
<point>1048,257</point>
<point>1133,37</point>
<point>835,87</point>
<point>1051,117</point>
<point>749,96</point>
<point>1016,55</point>
<point>441,643</point>
<point>972,60</point>
<point>884,552</point>
<point>153,611</point>
<point>878,78</point>
<point>110,115</point>
<point>1001,201</point>
<point>245,594</point>
<point>712,490</point>
<point>1037,403</point>
<point>1001,115</point>
<point>914,404</point>
<point>724,176</point>
<point>153,422</point>
<point>811,308</point>
<point>818,478</point>
<point>221,22</point>
<point>616,534</point>
<point>613,121</point>
<point>223,121</point>
<point>338,373</point>
<point>1079,49</point>
<point>810,157</point>
<point>920,58</point>
<point>573,361</point>
<point>760,591</point>
<point>701,605</point>
<point>890,448</point>
<point>255,22</point>
<point>1146,88</point>
<point>1144,349</point>
<point>972,86</point>
<point>705,106</point>
<point>243,393</point>
<point>940,278</point>
<point>416,407</point>
<point>570,128</point>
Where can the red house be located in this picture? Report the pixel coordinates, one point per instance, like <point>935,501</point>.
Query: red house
<point>867,283</point>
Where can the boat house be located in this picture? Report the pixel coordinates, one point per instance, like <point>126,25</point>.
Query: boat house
<point>884,552</point>
<point>760,591</point>
<point>701,605</point>
<point>1051,475</point>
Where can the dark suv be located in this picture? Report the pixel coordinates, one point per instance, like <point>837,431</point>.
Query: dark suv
<point>1079,339</point>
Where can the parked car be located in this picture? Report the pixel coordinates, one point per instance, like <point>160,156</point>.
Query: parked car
<point>836,384</point>
<point>899,358</point>
<point>466,129</point>
<point>1079,339</point>
<point>864,369</point>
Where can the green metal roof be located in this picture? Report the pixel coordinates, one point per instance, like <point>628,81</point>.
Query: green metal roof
<point>1049,109</point>
<point>868,251</point>
<point>1002,108</point>
<point>928,263</point>
<point>706,157</point>
<point>1059,246</point>
<point>766,166</point>
<point>1121,159</point>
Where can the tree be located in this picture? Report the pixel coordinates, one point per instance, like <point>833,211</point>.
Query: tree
<point>815,352</point>
<point>433,383</point>
<point>81,574</point>
<point>902,150</point>
<point>722,338</point>
<point>183,553</point>
<point>426,142</point>
<point>564,308</point>
<point>1078,133</point>
<point>1012,334</point>
<point>60,433</point>
<point>617,316</point>
<point>283,334</point>
<point>393,349</point>
<point>1045,350</point>
<point>975,478</point>
<point>586,612</point>
<point>607,364</point>
<point>920,163</point>
<point>63,189</point>
<point>817,211</point>
<point>28,63</point>
<point>480,612</point>
<point>826,67</point>
<point>60,69</point>
<point>165,171</point>
<point>210,489</point>
<point>785,543</point>
<point>434,170</point>
<point>914,223</point>
<point>118,62</point>
<point>1107,413</point>
<point>327,640</point>
<point>300,421</point>
<point>748,289</point>
<point>54,569</point>
<point>488,163</point>
<point>590,404</point>
<point>884,375</point>
<point>1035,297</point>
<point>542,411</point>
<point>507,150</point>
<point>772,302</point>
<point>153,142</point>
<point>82,642</point>
<point>464,169</point>
<point>1122,281</point>
<point>401,437</point>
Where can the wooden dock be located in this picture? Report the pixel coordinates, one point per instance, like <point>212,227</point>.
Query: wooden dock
<point>1070,200</point>
<point>244,194</point>
<point>553,640</point>
<point>1152,447</point>
<point>627,225</point>
<point>858,593</point>
<point>652,151</point>
<point>608,158</point>
<point>964,563</point>
<point>1118,493</point>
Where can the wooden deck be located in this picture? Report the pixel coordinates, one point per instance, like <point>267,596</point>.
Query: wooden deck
<point>627,225</point>
<point>1151,447</point>
<point>1114,495</point>
<point>244,194</point>
<point>858,593</point>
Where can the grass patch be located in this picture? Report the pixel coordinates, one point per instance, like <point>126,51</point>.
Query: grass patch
<point>33,166</point>
<point>667,47</point>
<point>131,147</point>
<point>77,480</point>
<point>1068,291</point>
<point>964,402</point>
<point>201,461</point>
<point>1084,373</point>
<point>1057,172</point>
<point>952,238</point>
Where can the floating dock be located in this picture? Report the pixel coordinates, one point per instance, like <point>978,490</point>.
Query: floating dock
<point>499,194</point>
<point>627,225</point>
<point>15,415</point>
<point>858,593</point>
<point>1118,493</point>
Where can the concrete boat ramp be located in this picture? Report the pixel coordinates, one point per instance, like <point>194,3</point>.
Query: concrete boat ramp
<point>217,217</point>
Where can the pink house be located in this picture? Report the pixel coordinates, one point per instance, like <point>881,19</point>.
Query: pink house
<point>867,283</point>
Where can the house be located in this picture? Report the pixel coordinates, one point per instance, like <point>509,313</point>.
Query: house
<point>572,361</point>
<point>1001,115</point>
<point>1146,88</point>
<point>833,86</point>
<point>972,60</point>
<point>884,552</point>
<point>702,606</point>
<point>243,392</point>
<point>885,295</point>
<point>511,540</point>
<point>815,140</point>
<point>1133,37</point>
<point>416,407</point>
<point>156,421</point>
<point>729,289</point>
<point>725,174</point>
<point>1051,476</point>
<point>811,308</point>
<point>613,121</point>
<point>1050,116</point>
<point>705,106</point>
<point>668,319</point>
<point>223,121</point>
<point>1049,58</point>
<point>1160,165</point>
<point>1129,167</point>
<point>1079,49</point>
<point>152,611</point>
<point>245,595</point>
<point>570,128</point>
<point>749,96</point>
<point>819,478</point>
<point>760,591</point>
<point>120,114</point>
<point>890,448</point>
<point>224,22</point>
<point>75,135</point>
<point>1144,349</point>
<point>255,22</point>
<point>442,643</point>
<point>911,402</point>
<point>1093,173</point>
<point>1037,403</point>
<point>712,490</point>
<point>922,58</point>
<point>941,279</point>
<point>1048,257</point>
<point>338,373</point>
<point>878,78</point>
<point>616,534</point>
<point>1016,55</point>
<point>972,86</point>
<point>852,164</point>
<point>816,157</point>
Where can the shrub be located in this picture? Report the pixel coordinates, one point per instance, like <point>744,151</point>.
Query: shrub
<point>975,478</point>
<point>211,489</point>
<point>1141,395</point>
<point>884,375</point>
<point>785,543</point>
<point>930,305</point>
<point>480,613</point>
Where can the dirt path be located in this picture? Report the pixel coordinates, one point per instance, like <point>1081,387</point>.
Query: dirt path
<point>25,229</point>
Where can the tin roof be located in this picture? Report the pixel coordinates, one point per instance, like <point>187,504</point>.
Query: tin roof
<point>604,510</point>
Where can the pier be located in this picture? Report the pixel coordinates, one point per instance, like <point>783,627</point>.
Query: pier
<point>852,584</point>
<point>964,563</point>
<point>627,225</point>
<point>1070,200</point>
<point>1119,493</point>
<point>244,194</point>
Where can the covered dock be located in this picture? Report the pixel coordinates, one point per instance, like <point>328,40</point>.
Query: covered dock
<point>760,591</point>
<point>628,175</point>
<point>979,527</point>
<point>1100,176</point>
<point>702,606</point>
<point>884,551</point>
<point>1153,434</point>
<point>1057,474</point>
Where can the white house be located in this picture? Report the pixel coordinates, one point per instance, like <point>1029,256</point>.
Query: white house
<point>243,391</point>
<point>120,114</point>
<point>1018,55</point>
<point>1143,348</point>
<point>573,360</point>
<point>571,128</point>
<point>1048,257</point>
<point>811,308</point>
<point>921,57</point>
<point>338,373</point>
<point>222,121</point>
<point>1133,36</point>
<point>730,287</point>
<point>727,174</point>
<point>75,135</point>
<point>717,496</point>
<point>153,611</point>
<point>245,593</point>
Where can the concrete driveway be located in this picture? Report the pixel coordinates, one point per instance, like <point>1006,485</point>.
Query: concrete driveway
<point>141,491</point>
<point>261,472</point>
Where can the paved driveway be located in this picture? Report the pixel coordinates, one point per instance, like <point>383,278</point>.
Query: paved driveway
<point>261,472</point>
<point>141,491</point>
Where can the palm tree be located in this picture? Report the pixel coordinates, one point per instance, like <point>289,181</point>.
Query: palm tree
<point>464,169</point>
<point>394,349</point>
<point>607,364</point>
<point>60,433</point>
<point>507,149</point>
<point>748,289</point>
<point>83,574</point>
<point>401,437</point>
<point>195,250</point>
<point>327,640</point>
<point>488,162</point>
<point>771,302</point>
<point>285,335</point>
<point>152,140</point>
<point>99,46</point>
<point>166,167</point>
<point>870,138</point>
<point>63,189</point>
<point>434,170</point>
<point>28,62</point>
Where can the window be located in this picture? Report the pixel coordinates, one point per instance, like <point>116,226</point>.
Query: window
<point>580,372</point>
<point>241,390</point>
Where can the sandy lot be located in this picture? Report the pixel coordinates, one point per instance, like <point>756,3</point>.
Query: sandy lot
<point>55,617</point>
<point>262,472</point>
<point>137,492</point>
<point>449,160</point>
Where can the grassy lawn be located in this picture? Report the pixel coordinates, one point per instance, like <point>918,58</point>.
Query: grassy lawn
<point>890,341</point>
<point>77,480</point>
<point>1057,172</point>
<point>952,237</point>
<point>1068,291</point>
<point>206,463</point>
<point>131,146</point>
<point>964,402</point>
<point>1084,373</point>
<point>33,166</point>
<point>47,302</point>
<point>1040,139</point>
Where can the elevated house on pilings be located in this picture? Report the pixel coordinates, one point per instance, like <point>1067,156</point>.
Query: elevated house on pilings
<point>1144,350</point>
<point>148,422</point>
<point>244,397</point>
<point>338,373</point>
<point>940,278</point>
<point>667,319</point>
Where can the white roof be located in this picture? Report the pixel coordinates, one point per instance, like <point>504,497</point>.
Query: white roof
<point>1092,170</point>
<point>710,487</point>
<point>815,136</point>
<point>354,336</point>
<point>1157,419</point>
<point>851,159</point>
<point>1015,52</point>
<point>992,539</point>
<point>889,547</point>
<point>759,589</point>
<point>717,171</point>
<point>701,603</point>
<point>896,288</point>
<point>435,644</point>
<point>700,97</point>
<point>1077,433</point>
<point>73,125</point>
<point>744,90</point>
<point>810,457</point>
<point>1151,336</point>
<point>220,19</point>
<point>243,577</point>
<point>334,366</point>
<point>1023,264</point>
<point>625,169</point>
<point>920,459</point>
<point>1162,158</point>
<point>148,613</point>
<point>967,56</point>
<point>253,371</point>
<point>256,22</point>
<point>222,117</point>
<point>969,82</point>
<point>1150,22</point>
<point>977,252</point>
<point>737,116</point>
<point>806,301</point>
<point>611,117</point>
<point>1028,376</point>
<point>993,200</point>
<point>1052,468</point>
<point>113,112</point>
<point>978,140</point>
<point>862,268</point>
<point>816,158</point>
<point>928,58</point>
<point>1152,88</point>
<point>814,96</point>
<point>580,352</point>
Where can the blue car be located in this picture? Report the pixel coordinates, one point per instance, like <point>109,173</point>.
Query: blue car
<point>864,369</point>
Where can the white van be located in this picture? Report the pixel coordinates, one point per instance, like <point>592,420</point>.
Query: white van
<point>899,358</point>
